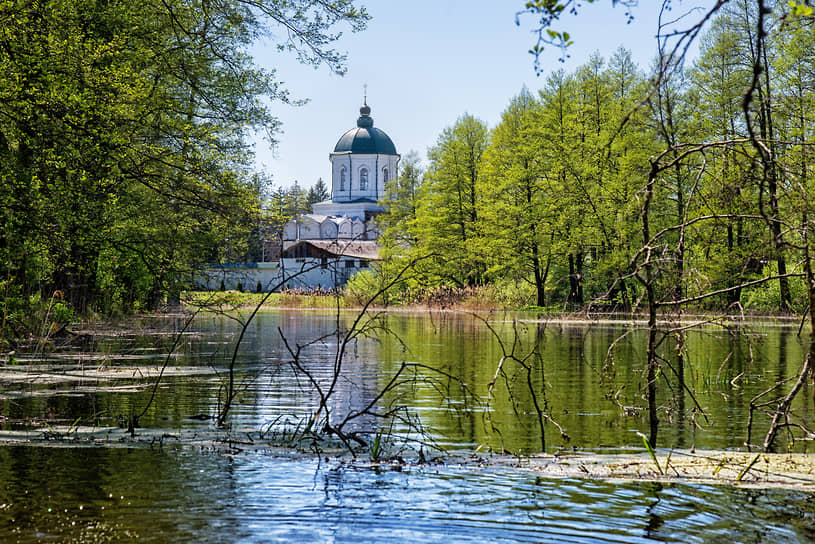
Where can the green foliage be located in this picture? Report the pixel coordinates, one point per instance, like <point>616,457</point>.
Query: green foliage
<point>446,214</point>
<point>800,9</point>
<point>588,194</point>
<point>651,453</point>
<point>548,13</point>
<point>401,202</point>
<point>516,209</point>
<point>542,207</point>
<point>375,449</point>
<point>32,318</point>
<point>123,157</point>
<point>511,294</point>
<point>233,300</point>
<point>361,286</point>
<point>766,298</point>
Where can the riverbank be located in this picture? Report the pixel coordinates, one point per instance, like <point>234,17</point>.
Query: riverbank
<point>219,301</point>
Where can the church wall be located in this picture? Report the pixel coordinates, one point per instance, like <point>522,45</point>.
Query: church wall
<point>340,161</point>
<point>292,273</point>
<point>309,229</point>
<point>348,209</point>
<point>390,162</point>
<point>353,164</point>
<point>245,275</point>
<point>368,163</point>
<point>328,230</point>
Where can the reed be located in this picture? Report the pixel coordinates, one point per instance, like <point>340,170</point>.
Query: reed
<point>651,452</point>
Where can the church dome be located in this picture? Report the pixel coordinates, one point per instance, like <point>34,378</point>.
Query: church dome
<point>365,139</point>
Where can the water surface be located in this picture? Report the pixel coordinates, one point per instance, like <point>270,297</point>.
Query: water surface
<point>183,494</point>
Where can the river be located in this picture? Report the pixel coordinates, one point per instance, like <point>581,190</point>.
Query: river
<point>441,367</point>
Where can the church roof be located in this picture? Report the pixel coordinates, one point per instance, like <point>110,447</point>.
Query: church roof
<point>314,217</point>
<point>356,249</point>
<point>365,138</point>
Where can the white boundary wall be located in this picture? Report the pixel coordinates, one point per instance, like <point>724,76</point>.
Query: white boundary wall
<point>304,273</point>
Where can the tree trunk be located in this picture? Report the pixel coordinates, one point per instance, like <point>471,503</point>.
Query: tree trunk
<point>575,269</point>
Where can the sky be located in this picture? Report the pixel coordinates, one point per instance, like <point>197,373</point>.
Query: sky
<point>426,63</point>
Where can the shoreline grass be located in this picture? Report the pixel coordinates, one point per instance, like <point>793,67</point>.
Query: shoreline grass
<point>464,300</point>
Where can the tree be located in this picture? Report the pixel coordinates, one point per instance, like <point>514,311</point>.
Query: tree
<point>517,219</point>
<point>401,202</point>
<point>742,185</point>
<point>316,193</point>
<point>447,211</point>
<point>122,136</point>
<point>294,201</point>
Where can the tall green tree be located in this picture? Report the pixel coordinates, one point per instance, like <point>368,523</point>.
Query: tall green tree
<point>123,136</point>
<point>316,193</point>
<point>517,217</point>
<point>401,202</point>
<point>447,214</point>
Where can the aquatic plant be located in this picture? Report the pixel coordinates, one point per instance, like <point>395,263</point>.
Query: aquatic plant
<point>647,443</point>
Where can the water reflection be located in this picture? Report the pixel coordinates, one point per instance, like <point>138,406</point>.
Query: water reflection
<point>94,495</point>
<point>590,377</point>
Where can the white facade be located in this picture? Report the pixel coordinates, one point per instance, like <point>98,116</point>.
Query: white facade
<point>355,176</point>
<point>362,163</point>
<point>312,226</point>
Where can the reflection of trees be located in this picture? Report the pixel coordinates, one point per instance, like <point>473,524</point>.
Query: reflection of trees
<point>593,382</point>
<point>106,494</point>
<point>413,372</point>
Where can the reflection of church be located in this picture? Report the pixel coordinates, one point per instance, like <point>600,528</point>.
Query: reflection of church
<point>343,230</point>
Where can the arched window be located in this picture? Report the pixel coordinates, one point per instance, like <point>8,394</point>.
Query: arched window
<point>385,177</point>
<point>363,179</point>
<point>342,178</point>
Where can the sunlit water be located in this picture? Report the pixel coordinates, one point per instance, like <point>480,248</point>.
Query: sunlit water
<point>182,494</point>
<point>96,495</point>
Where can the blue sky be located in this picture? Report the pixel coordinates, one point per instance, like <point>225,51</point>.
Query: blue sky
<point>428,62</point>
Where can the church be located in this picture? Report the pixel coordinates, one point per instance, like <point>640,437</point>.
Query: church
<point>342,232</point>
<point>362,162</point>
<point>323,249</point>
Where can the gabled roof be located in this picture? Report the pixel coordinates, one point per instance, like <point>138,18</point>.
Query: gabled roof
<point>356,249</point>
<point>314,217</point>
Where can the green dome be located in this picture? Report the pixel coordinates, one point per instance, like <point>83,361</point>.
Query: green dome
<point>365,139</point>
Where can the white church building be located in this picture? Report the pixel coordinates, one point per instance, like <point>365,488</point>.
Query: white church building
<point>339,237</point>
<point>362,162</point>
<point>325,248</point>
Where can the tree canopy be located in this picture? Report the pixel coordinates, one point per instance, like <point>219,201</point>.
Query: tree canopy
<point>612,170</point>
<point>123,150</point>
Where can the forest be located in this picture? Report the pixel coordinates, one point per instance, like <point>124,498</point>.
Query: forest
<point>125,159</point>
<point>686,181</point>
<point>125,163</point>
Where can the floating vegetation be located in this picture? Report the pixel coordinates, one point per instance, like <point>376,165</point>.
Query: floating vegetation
<point>55,374</point>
